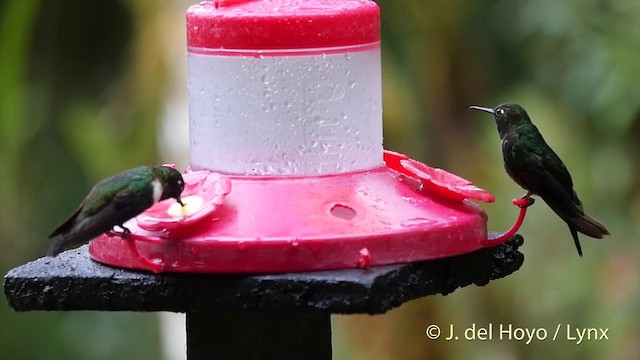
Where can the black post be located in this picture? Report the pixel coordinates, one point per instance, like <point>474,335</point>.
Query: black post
<point>254,336</point>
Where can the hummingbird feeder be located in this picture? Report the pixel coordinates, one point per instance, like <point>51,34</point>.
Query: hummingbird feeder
<point>287,169</point>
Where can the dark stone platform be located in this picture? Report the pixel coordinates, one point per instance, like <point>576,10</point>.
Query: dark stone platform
<point>73,281</point>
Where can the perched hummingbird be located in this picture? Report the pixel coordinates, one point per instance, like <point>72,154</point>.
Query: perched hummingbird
<point>532,164</point>
<point>115,200</point>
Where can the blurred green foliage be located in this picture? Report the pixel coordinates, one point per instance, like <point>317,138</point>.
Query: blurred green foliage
<point>575,66</point>
<point>71,113</point>
<point>81,89</point>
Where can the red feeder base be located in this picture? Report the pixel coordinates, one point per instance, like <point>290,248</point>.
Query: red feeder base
<point>398,213</point>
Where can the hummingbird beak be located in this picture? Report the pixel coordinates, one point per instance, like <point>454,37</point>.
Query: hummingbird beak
<point>180,202</point>
<point>489,110</point>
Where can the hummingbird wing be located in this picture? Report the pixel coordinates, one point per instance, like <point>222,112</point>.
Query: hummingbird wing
<point>118,199</point>
<point>102,195</point>
<point>101,219</point>
<point>111,202</point>
<point>542,172</point>
<point>547,176</point>
<point>535,166</point>
<point>81,230</point>
<point>563,199</point>
<point>68,224</point>
<point>91,205</point>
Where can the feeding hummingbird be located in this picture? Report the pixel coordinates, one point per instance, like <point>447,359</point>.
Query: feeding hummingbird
<point>115,200</point>
<point>532,164</point>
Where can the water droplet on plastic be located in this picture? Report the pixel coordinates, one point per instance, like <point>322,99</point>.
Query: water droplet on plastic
<point>364,260</point>
<point>411,200</point>
<point>416,222</point>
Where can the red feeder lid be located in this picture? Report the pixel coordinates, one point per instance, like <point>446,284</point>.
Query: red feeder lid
<point>282,24</point>
<point>251,224</point>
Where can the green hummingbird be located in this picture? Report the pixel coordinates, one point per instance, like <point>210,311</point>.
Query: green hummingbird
<point>532,164</point>
<point>115,200</point>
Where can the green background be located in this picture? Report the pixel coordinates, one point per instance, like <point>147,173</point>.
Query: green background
<point>83,85</point>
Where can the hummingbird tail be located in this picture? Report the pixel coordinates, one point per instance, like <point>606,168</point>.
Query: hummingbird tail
<point>67,225</point>
<point>574,233</point>
<point>589,226</point>
<point>55,249</point>
<point>65,242</point>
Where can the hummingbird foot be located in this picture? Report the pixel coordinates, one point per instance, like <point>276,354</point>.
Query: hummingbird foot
<point>525,201</point>
<point>125,231</point>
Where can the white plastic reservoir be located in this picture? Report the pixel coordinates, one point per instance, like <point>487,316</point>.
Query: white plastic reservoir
<point>281,87</point>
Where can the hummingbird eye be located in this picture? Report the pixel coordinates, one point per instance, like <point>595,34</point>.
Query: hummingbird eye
<point>500,111</point>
